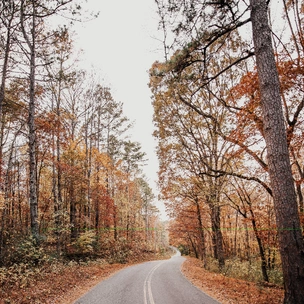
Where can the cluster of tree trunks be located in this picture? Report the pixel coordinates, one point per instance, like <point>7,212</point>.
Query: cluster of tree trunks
<point>67,167</point>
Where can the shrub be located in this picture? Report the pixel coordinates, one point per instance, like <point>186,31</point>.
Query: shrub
<point>116,251</point>
<point>245,270</point>
<point>24,250</point>
<point>17,275</point>
<point>85,242</point>
<point>184,250</point>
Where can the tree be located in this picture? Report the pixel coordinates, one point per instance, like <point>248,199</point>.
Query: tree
<point>108,127</point>
<point>32,18</point>
<point>190,144</point>
<point>68,173</point>
<point>200,25</point>
<point>59,75</point>
<point>30,38</point>
<point>132,159</point>
<point>148,208</point>
<point>285,203</point>
<point>9,17</point>
<point>243,203</point>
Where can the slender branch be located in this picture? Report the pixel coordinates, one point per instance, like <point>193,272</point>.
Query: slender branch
<point>220,173</point>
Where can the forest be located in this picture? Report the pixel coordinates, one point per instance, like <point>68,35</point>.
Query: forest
<point>228,115</point>
<point>72,182</point>
<point>228,111</point>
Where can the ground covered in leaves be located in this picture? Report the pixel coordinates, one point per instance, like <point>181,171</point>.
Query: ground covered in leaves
<point>63,284</point>
<point>57,282</point>
<point>229,290</point>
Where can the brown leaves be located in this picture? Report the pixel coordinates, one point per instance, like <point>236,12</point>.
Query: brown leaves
<point>62,284</point>
<point>229,290</point>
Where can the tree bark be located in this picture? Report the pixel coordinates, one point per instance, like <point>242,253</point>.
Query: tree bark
<point>285,204</point>
<point>31,42</point>
<point>217,237</point>
<point>201,233</point>
<point>261,247</point>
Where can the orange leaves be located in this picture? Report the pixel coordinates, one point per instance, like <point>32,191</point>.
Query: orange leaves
<point>248,86</point>
<point>291,74</point>
<point>246,93</point>
<point>103,205</point>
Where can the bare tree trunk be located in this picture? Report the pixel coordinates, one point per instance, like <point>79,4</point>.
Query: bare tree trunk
<point>193,246</point>
<point>32,150</point>
<point>4,70</point>
<point>31,42</point>
<point>11,7</point>
<point>73,211</point>
<point>247,244</point>
<point>201,233</point>
<point>261,247</point>
<point>217,237</point>
<point>285,203</point>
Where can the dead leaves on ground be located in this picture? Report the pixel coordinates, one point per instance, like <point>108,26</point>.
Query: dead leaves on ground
<point>229,290</point>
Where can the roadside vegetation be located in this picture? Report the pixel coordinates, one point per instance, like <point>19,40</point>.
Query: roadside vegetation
<point>72,187</point>
<point>228,289</point>
<point>228,111</point>
<point>229,121</point>
<point>37,276</point>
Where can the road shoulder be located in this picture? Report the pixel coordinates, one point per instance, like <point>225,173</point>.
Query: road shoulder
<point>229,290</point>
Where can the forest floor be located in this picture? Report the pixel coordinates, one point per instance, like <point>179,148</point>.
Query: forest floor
<point>65,284</point>
<point>230,290</point>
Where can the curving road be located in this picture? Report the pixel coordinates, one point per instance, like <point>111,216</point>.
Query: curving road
<point>156,282</point>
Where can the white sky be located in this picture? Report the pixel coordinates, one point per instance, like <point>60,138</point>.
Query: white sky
<point>122,44</point>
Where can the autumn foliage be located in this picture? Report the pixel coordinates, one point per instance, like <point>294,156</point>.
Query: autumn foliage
<point>71,182</point>
<point>214,170</point>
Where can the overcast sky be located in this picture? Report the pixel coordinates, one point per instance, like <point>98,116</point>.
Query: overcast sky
<point>122,43</point>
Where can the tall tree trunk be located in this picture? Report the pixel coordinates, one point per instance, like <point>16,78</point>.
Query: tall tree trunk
<point>247,244</point>
<point>285,203</point>
<point>202,248</point>
<point>31,42</point>
<point>217,237</point>
<point>261,247</point>
<point>32,148</point>
<point>193,246</point>
<point>4,70</point>
<point>7,49</point>
<point>58,155</point>
<point>73,211</point>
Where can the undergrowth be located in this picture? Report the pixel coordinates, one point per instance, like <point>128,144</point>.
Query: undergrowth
<point>245,270</point>
<point>27,263</point>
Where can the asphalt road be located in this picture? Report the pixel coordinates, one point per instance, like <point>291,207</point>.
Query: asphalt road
<point>156,282</point>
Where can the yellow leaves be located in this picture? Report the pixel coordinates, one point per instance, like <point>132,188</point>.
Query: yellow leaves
<point>74,152</point>
<point>101,159</point>
<point>85,242</point>
<point>248,86</point>
<point>157,72</point>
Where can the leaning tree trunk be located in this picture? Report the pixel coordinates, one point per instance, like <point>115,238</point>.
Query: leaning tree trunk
<point>261,247</point>
<point>285,204</point>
